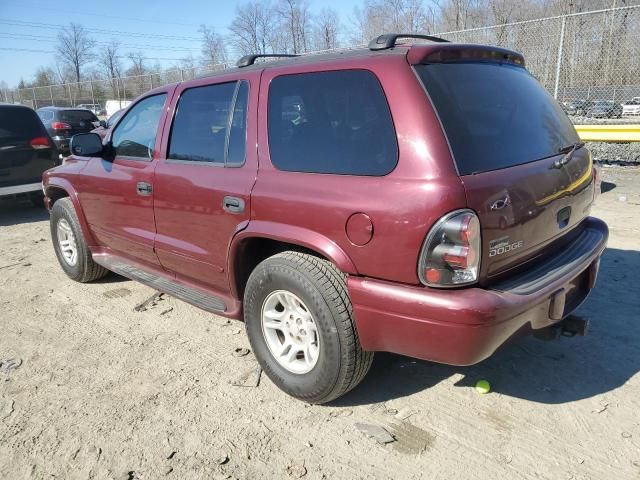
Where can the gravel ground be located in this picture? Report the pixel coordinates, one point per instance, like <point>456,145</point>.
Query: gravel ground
<point>92,388</point>
<point>579,120</point>
<point>616,153</point>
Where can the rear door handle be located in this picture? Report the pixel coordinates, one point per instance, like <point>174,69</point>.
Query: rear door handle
<point>233,204</point>
<point>144,188</point>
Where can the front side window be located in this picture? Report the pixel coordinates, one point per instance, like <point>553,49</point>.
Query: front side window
<point>331,122</point>
<point>135,135</point>
<point>210,124</point>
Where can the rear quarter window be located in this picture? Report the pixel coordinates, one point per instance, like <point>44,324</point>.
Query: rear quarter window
<point>19,125</point>
<point>46,116</point>
<point>335,122</point>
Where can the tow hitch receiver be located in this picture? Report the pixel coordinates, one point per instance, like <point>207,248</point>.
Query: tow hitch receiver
<point>569,327</point>
<point>574,325</point>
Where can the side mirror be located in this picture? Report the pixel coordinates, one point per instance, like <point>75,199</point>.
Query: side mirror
<point>103,123</point>
<point>86,145</point>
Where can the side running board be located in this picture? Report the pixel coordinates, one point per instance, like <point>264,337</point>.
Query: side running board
<point>196,297</point>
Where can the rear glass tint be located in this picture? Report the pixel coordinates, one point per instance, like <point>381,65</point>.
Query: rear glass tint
<point>331,122</point>
<point>77,116</point>
<point>17,125</point>
<point>495,115</point>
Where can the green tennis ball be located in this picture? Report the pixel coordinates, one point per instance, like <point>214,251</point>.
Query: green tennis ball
<point>482,386</point>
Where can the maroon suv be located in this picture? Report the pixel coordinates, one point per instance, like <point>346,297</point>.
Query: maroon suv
<point>428,199</point>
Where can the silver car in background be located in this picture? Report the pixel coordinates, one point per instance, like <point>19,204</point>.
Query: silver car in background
<point>632,107</point>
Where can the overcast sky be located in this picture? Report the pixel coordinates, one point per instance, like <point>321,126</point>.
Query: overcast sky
<point>28,28</point>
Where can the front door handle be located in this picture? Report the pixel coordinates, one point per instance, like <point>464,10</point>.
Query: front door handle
<point>233,204</point>
<point>144,188</point>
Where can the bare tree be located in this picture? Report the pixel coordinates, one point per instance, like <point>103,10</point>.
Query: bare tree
<point>214,50</point>
<point>44,76</point>
<point>138,70</point>
<point>75,48</point>
<point>109,63</point>
<point>326,28</point>
<point>383,16</point>
<point>109,60</point>
<point>296,19</point>
<point>462,14</point>
<point>138,64</point>
<point>255,28</point>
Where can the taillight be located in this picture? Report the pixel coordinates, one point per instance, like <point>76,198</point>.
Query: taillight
<point>450,254</point>
<point>40,143</point>
<point>60,126</point>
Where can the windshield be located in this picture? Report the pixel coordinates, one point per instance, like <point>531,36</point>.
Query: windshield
<point>495,115</point>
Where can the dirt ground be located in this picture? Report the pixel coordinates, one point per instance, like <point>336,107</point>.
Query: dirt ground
<point>91,388</point>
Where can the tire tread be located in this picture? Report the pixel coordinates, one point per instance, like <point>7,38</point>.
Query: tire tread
<point>91,271</point>
<point>332,281</point>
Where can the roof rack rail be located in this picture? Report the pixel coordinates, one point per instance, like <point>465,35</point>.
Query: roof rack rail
<point>388,40</point>
<point>251,59</point>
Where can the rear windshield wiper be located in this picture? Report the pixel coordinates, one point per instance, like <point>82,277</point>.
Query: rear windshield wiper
<point>569,150</point>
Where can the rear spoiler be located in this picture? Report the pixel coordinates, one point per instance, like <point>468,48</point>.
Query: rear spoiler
<point>455,52</point>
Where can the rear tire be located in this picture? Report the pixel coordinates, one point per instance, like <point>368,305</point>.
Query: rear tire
<point>70,246</point>
<point>319,302</point>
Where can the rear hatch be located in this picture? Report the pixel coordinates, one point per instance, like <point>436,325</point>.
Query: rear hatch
<point>25,147</point>
<point>524,171</point>
<point>78,121</point>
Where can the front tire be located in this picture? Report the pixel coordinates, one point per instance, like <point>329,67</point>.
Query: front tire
<point>300,324</point>
<point>70,246</point>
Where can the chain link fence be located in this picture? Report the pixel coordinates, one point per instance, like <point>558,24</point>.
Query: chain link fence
<point>586,57</point>
<point>591,57</point>
<point>98,92</point>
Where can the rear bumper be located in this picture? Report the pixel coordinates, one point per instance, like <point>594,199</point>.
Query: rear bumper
<point>15,189</point>
<point>463,327</point>
<point>62,144</point>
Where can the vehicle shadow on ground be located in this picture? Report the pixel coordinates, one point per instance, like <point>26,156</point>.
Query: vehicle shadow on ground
<point>15,212</point>
<point>553,372</point>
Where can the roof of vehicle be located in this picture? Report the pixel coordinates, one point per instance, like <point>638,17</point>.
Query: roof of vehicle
<point>417,50</point>
<point>63,108</point>
<point>14,105</point>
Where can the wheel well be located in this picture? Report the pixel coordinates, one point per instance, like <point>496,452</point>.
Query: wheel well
<point>56,194</point>
<point>254,250</point>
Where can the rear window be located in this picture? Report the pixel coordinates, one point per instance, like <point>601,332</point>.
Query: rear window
<point>331,122</point>
<point>19,125</point>
<point>77,116</point>
<point>495,115</point>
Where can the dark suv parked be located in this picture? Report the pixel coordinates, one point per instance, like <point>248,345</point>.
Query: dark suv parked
<point>430,200</point>
<point>26,151</point>
<point>64,123</point>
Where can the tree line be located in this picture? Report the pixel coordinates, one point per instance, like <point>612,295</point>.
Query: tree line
<point>290,26</point>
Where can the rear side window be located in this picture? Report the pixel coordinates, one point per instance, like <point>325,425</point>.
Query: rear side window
<point>75,116</point>
<point>135,135</point>
<point>18,125</point>
<point>210,124</point>
<point>495,115</point>
<point>331,122</point>
<point>46,116</point>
